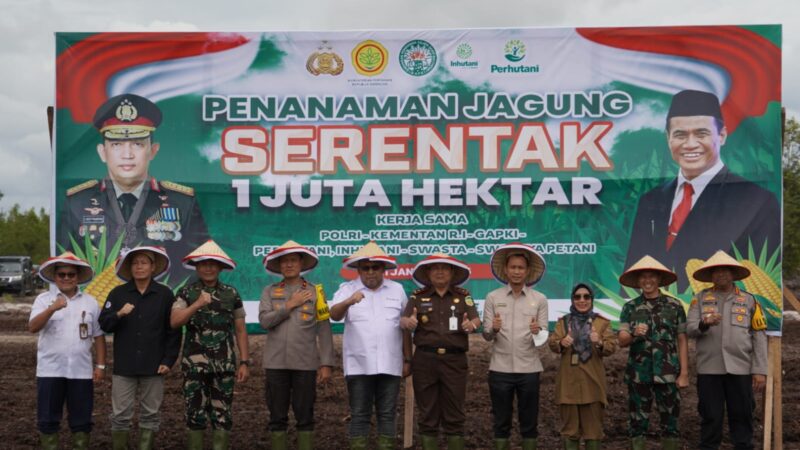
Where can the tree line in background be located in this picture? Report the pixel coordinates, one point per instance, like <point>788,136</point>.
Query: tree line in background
<point>27,232</point>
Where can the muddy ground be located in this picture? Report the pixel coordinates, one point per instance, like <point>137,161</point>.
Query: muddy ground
<point>18,400</point>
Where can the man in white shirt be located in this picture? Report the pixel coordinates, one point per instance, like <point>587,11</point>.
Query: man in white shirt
<point>377,353</point>
<point>66,320</point>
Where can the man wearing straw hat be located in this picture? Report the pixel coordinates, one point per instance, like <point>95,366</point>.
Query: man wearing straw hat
<point>66,320</point>
<point>728,325</point>
<point>299,350</point>
<point>654,326</point>
<point>443,315</point>
<point>214,317</point>
<point>376,352</point>
<point>515,320</point>
<point>145,345</point>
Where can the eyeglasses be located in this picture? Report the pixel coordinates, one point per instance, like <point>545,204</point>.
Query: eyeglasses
<point>66,274</point>
<point>371,268</point>
<point>582,296</point>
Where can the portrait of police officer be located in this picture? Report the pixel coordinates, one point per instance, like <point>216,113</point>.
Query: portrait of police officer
<point>129,203</point>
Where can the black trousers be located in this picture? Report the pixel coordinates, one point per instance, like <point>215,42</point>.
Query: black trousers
<point>716,393</point>
<point>502,389</point>
<point>298,387</point>
<point>52,393</point>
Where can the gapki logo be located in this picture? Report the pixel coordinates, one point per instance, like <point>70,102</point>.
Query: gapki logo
<point>464,52</point>
<point>515,51</point>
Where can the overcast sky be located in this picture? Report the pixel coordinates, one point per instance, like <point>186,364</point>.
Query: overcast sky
<point>27,47</point>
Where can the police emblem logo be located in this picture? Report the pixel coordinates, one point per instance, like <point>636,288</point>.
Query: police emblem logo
<point>417,58</point>
<point>324,61</point>
<point>469,301</point>
<point>126,112</point>
<point>369,58</point>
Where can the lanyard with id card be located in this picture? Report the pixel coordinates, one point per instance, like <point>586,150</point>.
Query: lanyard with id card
<point>83,327</point>
<point>453,319</point>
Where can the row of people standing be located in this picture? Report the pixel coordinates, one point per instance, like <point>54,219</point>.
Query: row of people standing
<point>377,347</point>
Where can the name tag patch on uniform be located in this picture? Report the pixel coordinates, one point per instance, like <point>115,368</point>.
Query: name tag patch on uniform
<point>94,219</point>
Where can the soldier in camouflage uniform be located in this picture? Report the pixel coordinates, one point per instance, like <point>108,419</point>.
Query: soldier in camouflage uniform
<point>654,326</point>
<point>213,314</point>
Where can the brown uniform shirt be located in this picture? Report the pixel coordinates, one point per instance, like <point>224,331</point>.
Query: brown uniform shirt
<point>433,316</point>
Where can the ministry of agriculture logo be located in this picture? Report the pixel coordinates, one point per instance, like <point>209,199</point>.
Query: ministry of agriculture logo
<point>417,57</point>
<point>515,50</point>
<point>464,51</point>
<point>370,58</point>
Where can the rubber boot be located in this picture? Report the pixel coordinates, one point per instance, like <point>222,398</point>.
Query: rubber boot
<point>279,440</point>
<point>220,439</point>
<point>49,441</point>
<point>572,444</point>
<point>670,443</point>
<point>455,442</point>
<point>119,439</point>
<point>592,444</point>
<point>358,443</point>
<point>305,440</point>
<point>530,444</point>
<point>385,442</point>
<point>194,440</point>
<point>502,444</point>
<point>146,438</point>
<point>638,443</point>
<point>429,442</point>
<point>80,440</point>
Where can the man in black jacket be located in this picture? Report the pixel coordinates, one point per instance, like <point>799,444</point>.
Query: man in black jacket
<point>145,345</point>
<point>706,208</point>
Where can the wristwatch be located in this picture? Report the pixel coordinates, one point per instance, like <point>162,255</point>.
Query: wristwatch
<point>247,362</point>
<point>100,366</point>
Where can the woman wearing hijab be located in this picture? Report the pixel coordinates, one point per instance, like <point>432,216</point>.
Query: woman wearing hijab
<point>583,338</point>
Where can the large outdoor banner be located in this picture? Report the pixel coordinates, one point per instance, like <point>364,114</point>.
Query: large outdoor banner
<point>577,141</point>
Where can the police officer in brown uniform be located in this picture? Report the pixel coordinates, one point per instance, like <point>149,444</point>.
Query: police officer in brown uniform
<point>442,315</point>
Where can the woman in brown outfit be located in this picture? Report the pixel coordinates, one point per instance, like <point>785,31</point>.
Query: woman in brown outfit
<point>582,338</point>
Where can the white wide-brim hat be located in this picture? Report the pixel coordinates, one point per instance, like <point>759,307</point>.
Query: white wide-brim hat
<point>421,273</point>
<point>535,262</point>
<point>721,259</point>
<point>308,257</point>
<point>209,251</point>
<point>47,271</point>
<point>647,264</point>
<point>370,252</point>
<point>159,258</point>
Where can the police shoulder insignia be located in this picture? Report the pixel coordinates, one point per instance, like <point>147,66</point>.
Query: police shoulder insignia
<point>468,300</point>
<point>178,188</point>
<point>82,187</point>
<point>418,291</point>
<point>758,322</point>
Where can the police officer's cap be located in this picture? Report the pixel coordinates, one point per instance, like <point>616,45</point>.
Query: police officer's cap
<point>127,116</point>
<point>694,103</point>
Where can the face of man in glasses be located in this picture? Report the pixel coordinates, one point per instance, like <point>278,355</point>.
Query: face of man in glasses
<point>66,279</point>
<point>371,273</point>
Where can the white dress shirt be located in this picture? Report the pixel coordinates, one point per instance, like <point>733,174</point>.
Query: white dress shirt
<point>373,340</point>
<point>61,352</point>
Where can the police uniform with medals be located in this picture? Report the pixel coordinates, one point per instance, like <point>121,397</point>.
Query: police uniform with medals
<point>439,365</point>
<point>161,213</point>
<point>728,355</point>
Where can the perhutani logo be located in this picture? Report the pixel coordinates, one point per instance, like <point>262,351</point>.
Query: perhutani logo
<point>508,68</point>
<point>324,61</point>
<point>463,52</point>
<point>370,58</point>
<point>417,58</point>
<point>515,50</point>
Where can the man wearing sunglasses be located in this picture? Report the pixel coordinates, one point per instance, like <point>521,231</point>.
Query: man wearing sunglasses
<point>376,351</point>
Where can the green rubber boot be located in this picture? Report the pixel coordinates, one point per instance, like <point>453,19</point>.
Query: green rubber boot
<point>305,440</point>
<point>429,442</point>
<point>502,444</point>
<point>146,438</point>
<point>638,443</point>
<point>530,444</point>
<point>386,442</point>
<point>49,441</point>
<point>119,439</point>
<point>80,440</point>
<point>592,444</point>
<point>220,439</point>
<point>194,440</point>
<point>358,443</point>
<point>670,443</point>
<point>572,444</point>
<point>279,440</point>
<point>455,442</point>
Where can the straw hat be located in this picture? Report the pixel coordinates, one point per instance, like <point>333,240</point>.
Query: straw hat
<point>370,252</point>
<point>308,258</point>
<point>721,259</point>
<point>647,264</point>
<point>47,271</point>
<point>209,251</point>
<point>422,277</point>
<point>158,256</point>
<point>535,262</point>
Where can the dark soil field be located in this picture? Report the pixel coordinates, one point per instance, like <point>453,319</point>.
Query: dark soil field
<point>18,401</point>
